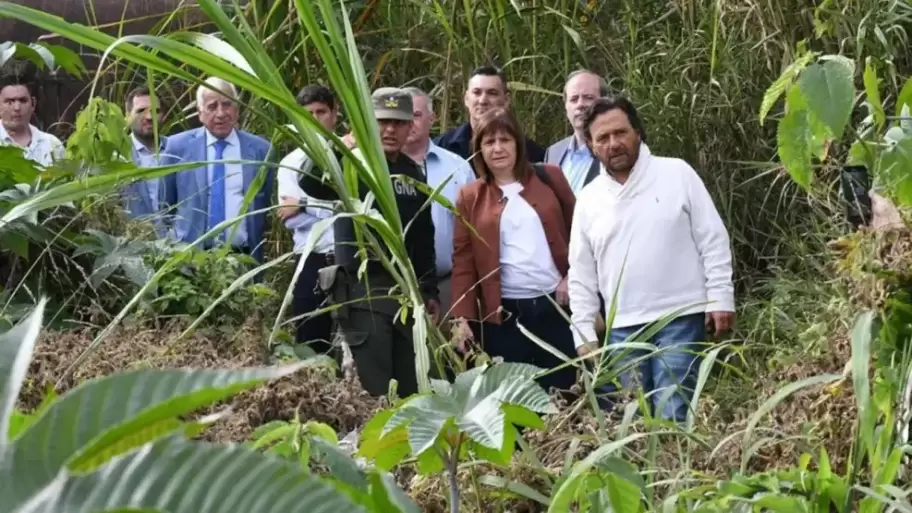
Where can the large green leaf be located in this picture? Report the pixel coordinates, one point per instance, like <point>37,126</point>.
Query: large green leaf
<point>178,476</point>
<point>15,168</point>
<point>340,466</point>
<point>575,480</point>
<point>829,89</point>
<point>624,495</point>
<point>489,378</point>
<point>424,429</point>
<point>872,90</point>
<point>782,83</point>
<point>385,451</point>
<point>794,139</point>
<point>101,413</point>
<point>861,361</point>
<point>484,423</point>
<point>904,98</point>
<point>424,417</point>
<point>16,347</point>
<point>525,393</point>
<point>896,170</point>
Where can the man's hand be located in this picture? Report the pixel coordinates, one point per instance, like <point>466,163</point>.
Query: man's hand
<point>587,348</point>
<point>461,333</point>
<point>600,327</point>
<point>884,214</point>
<point>433,309</point>
<point>349,141</point>
<point>290,208</point>
<point>562,293</point>
<point>717,323</point>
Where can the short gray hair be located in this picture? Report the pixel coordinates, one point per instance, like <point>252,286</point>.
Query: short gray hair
<point>603,84</point>
<point>414,91</point>
<point>219,84</point>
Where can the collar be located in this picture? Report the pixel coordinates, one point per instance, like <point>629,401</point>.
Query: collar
<point>5,137</point>
<point>232,138</point>
<point>433,151</point>
<point>139,146</point>
<point>639,167</point>
<point>574,144</point>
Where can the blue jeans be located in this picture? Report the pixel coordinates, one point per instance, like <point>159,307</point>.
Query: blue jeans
<point>673,367</point>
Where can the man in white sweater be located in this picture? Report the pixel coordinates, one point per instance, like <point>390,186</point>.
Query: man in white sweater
<point>646,233</point>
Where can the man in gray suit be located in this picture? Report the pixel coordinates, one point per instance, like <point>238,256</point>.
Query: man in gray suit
<point>582,88</point>
<point>580,166</point>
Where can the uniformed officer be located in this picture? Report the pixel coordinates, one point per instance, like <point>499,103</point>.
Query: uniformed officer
<point>382,346</point>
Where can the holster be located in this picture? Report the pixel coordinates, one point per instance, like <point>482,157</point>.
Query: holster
<point>339,284</point>
<point>335,282</point>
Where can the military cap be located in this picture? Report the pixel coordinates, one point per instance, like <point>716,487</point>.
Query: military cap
<point>392,103</point>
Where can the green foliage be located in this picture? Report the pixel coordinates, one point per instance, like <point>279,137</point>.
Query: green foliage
<point>101,135</point>
<point>292,439</point>
<point>696,100</point>
<point>113,254</point>
<point>784,82</point>
<point>475,416</point>
<point>829,91</point>
<point>118,443</point>
<point>794,138</point>
<point>485,404</point>
<point>44,56</point>
<point>239,57</point>
<point>796,489</point>
<point>818,108</point>
<point>198,280</point>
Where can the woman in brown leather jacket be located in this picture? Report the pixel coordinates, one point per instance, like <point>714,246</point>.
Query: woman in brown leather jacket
<point>513,268</point>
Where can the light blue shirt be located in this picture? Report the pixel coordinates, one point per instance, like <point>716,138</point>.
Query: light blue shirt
<point>576,165</point>
<point>147,158</point>
<point>439,164</point>
<point>234,183</point>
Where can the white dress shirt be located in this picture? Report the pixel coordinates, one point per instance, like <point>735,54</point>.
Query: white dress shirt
<point>44,148</point>
<point>289,185</point>
<point>663,232</point>
<point>234,182</point>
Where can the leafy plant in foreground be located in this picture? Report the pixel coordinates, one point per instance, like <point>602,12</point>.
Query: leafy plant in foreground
<point>820,96</point>
<point>239,56</point>
<point>117,443</point>
<point>476,415</point>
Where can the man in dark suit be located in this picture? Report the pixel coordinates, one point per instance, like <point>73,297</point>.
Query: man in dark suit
<point>487,90</point>
<point>581,90</point>
<point>214,192</point>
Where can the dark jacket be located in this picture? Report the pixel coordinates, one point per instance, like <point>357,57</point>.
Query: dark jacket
<point>317,186</point>
<point>459,141</point>
<point>417,221</point>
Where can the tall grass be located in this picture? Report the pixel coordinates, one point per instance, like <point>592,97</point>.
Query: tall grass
<point>697,71</point>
